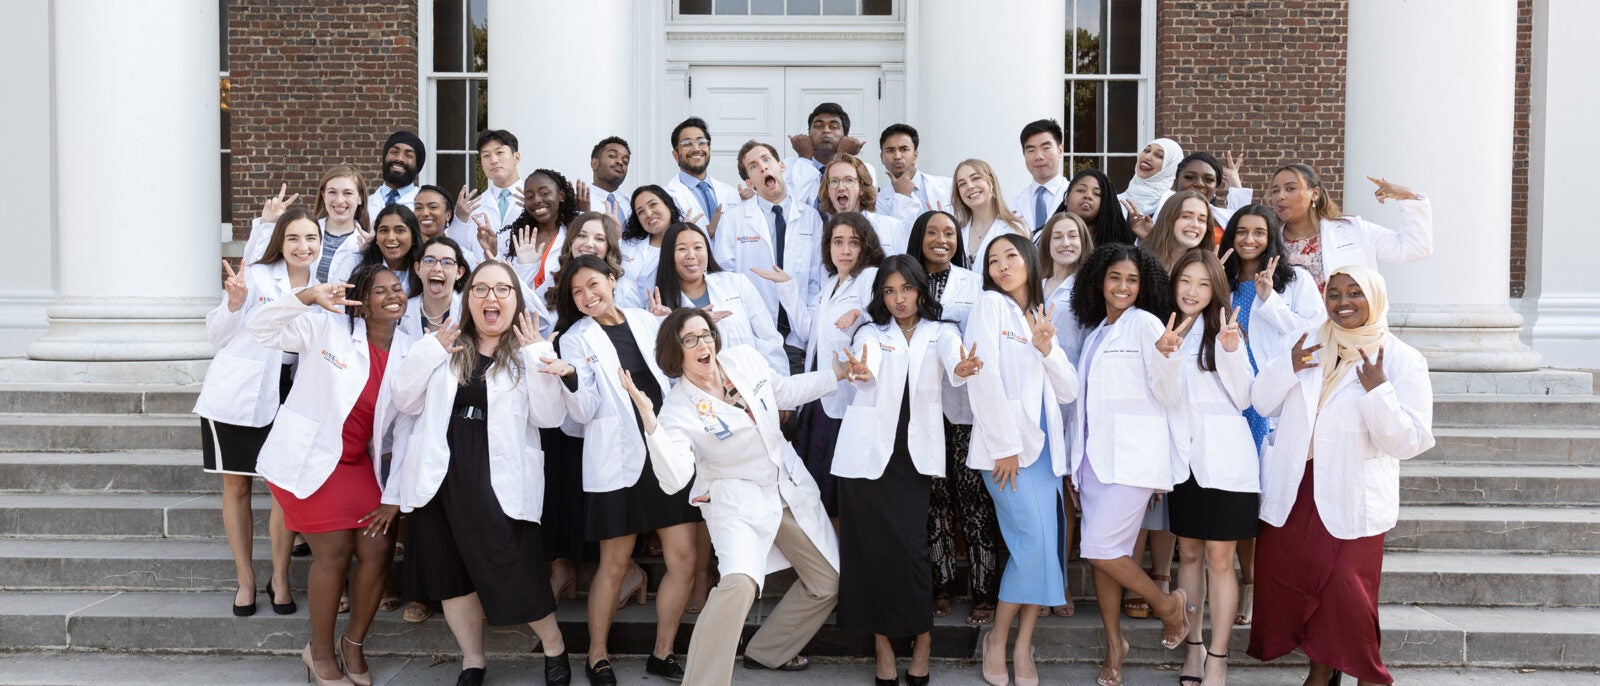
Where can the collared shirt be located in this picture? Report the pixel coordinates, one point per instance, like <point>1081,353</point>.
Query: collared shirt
<point>766,211</point>
<point>598,197</point>
<point>1022,203</point>
<point>380,198</point>
<point>693,184</point>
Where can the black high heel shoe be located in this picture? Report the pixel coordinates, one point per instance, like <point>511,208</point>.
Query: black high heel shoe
<point>880,681</point>
<point>245,610</point>
<point>288,608</point>
<point>557,670</point>
<point>472,676</point>
<point>913,680</point>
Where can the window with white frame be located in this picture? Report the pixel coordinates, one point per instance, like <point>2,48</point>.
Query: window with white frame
<point>454,54</point>
<point>226,134</point>
<point>785,8</point>
<point>1110,107</point>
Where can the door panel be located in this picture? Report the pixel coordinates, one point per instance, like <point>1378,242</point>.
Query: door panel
<point>854,88</point>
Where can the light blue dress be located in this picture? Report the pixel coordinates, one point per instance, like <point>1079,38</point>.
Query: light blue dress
<point>1031,522</point>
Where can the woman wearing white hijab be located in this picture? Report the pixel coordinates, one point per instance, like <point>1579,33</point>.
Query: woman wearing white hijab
<point>1330,480</point>
<point>1152,177</point>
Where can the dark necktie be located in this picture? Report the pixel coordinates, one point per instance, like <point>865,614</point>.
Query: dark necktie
<point>394,197</point>
<point>779,227</point>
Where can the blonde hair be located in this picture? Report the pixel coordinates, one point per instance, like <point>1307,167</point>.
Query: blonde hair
<point>1161,242</point>
<point>348,172</point>
<point>996,201</point>
<point>869,193</point>
<point>1047,264</point>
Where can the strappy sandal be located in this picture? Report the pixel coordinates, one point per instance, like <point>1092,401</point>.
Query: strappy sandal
<point>1209,655</point>
<point>1187,679</point>
<point>1167,641</point>
<point>941,605</point>
<point>417,612</point>
<point>1135,606</point>
<point>1247,605</point>
<point>1066,610</point>
<point>1109,676</point>
<point>982,614</point>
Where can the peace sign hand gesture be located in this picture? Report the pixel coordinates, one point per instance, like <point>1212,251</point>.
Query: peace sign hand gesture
<point>1264,283</point>
<point>330,296</point>
<point>855,368</point>
<point>656,308</point>
<point>235,286</point>
<point>447,335</point>
<point>1140,223</point>
<point>274,207</point>
<point>716,218</point>
<point>1387,190</point>
<point>1172,338</point>
<point>970,364</point>
<point>1043,328</point>
<point>1230,170</point>
<point>486,237</point>
<point>1370,373</point>
<point>1303,357</point>
<point>1230,335</point>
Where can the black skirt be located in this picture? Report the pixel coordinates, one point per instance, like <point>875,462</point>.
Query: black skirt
<point>885,574</point>
<point>462,541</point>
<point>563,519</point>
<point>233,449</point>
<point>636,509</point>
<point>1211,514</point>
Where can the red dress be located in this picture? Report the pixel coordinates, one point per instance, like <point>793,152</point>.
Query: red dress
<point>351,491</point>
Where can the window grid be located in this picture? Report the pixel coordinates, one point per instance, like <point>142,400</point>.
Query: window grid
<point>1109,106</point>
<point>455,99</point>
<point>886,9</point>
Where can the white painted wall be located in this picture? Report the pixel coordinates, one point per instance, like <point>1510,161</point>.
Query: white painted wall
<point>27,283</point>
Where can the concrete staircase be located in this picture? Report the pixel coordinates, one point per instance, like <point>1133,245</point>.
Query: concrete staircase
<point>110,539</point>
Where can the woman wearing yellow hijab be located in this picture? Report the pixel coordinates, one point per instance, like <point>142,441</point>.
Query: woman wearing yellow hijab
<point>1350,406</point>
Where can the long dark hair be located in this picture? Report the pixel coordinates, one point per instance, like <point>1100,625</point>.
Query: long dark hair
<point>566,210</point>
<point>1284,273</point>
<point>909,268</point>
<point>1110,226</point>
<point>635,230</point>
<point>360,287</point>
<point>1221,302</point>
<point>1030,257</point>
<point>567,312</point>
<point>274,251</point>
<point>374,255</point>
<point>667,267</point>
<point>1089,290</point>
<point>871,252</point>
<point>919,234</point>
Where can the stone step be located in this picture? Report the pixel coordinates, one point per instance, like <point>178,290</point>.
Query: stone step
<point>1434,483</point>
<point>98,432</point>
<point>168,622</point>
<point>154,471</point>
<point>1551,411</point>
<point>147,515</point>
<point>1491,579</point>
<point>91,398</point>
<point>1508,529</point>
<point>1516,445</point>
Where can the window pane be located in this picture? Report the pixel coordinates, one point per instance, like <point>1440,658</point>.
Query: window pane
<point>733,7</point>
<point>227,188</point>
<point>1119,170</point>
<point>877,8</point>
<point>452,171</point>
<point>447,34</point>
<point>807,8</point>
<point>222,34</point>
<point>450,108</point>
<point>1083,54</point>
<point>694,6</point>
<point>1122,116</point>
<point>479,109</point>
<point>1123,57</point>
<point>766,7</point>
<point>841,8</point>
<point>1084,112</point>
<point>479,21</point>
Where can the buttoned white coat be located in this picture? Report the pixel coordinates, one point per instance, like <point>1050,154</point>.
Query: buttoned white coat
<point>613,450</point>
<point>1125,402</point>
<point>929,360</point>
<point>1209,431</point>
<point>1016,385</point>
<point>241,385</point>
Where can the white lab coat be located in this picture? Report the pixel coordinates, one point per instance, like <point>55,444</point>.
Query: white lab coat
<point>613,450</point>
<point>802,177</point>
<point>1022,202</point>
<point>907,208</point>
<point>1275,324</point>
<point>1358,439</point>
<point>489,209</point>
<point>241,385</point>
<point>893,234</point>
<point>465,234</point>
<point>961,291</point>
<point>749,472</point>
<point>744,243</point>
<point>929,360</point>
<point>688,201</point>
<point>816,319</point>
<point>413,325</point>
<point>1125,403</point>
<point>976,262</point>
<point>307,435</point>
<point>1015,387</point>
<point>1210,435</point>
<point>261,234</point>
<point>425,386</point>
<point>751,323</point>
<point>639,263</point>
<point>1353,240</point>
<point>1069,335</point>
<point>529,272</point>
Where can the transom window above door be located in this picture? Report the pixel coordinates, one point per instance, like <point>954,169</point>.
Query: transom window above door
<point>886,9</point>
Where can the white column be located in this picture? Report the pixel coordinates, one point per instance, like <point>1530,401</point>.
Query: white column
<point>1429,104</point>
<point>27,285</point>
<point>136,177</point>
<point>972,101</point>
<point>1562,300</point>
<point>567,85</point>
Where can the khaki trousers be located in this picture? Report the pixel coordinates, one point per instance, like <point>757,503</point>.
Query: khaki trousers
<point>785,632</point>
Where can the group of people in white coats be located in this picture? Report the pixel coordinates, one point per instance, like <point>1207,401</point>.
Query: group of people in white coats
<point>847,382</point>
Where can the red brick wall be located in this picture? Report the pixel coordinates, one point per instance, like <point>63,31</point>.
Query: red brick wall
<point>1519,150</point>
<point>315,84</point>
<point>1261,77</point>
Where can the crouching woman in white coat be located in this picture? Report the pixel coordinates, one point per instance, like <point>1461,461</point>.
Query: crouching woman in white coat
<point>471,472</point>
<point>719,426</point>
<point>1349,408</point>
<point>1017,443</point>
<point>894,430</point>
<point>321,459</point>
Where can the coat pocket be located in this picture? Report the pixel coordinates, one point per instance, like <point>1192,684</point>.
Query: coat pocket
<point>1228,455</point>
<point>1142,450</point>
<point>286,453</point>
<point>232,390</point>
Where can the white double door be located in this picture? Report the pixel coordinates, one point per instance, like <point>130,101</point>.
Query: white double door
<point>769,104</point>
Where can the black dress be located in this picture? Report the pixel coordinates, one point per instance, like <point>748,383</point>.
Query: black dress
<point>233,449</point>
<point>462,541</point>
<point>885,576</point>
<point>643,506</point>
<point>1212,514</point>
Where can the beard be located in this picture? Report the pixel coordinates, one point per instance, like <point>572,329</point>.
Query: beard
<point>693,169</point>
<point>399,179</point>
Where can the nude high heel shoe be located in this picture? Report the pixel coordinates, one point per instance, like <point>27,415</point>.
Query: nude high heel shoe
<point>311,671</point>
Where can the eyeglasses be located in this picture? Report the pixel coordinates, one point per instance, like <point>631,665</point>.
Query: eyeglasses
<point>445,262</point>
<point>694,340</point>
<point>501,292</point>
<point>846,182</point>
<point>690,143</point>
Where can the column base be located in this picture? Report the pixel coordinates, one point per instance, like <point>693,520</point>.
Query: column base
<point>1565,329</point>
<point>1465,338</point>
<point>111,329</point>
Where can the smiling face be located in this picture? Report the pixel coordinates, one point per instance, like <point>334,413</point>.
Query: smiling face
<point>653,214</point>
<point>700,355</point>
<point>1008,269</point>
<point>1198,176</point>
<point>899,297</point>
<point>1083,198</point>
<point>496,309</point>
<point>439,278</point>
<point>341,198</point>
<point>844,187</point>
<point>1151,159</point>
<point>764,172</point>
<point>692,150</point>
<point>1250,237</point>
<point>1066,246</point>
<point>1347,303</point>
<point>899,154</point>
<point>433,213</point>
<point>302,243</point>
<point>689,257</point>
<point>543,198</point>
<point>611,167</point>
<point>592,290</point>
<point>1193,289</point>
<point>499,163</point>
<point>1043,155</point>
<point>1290,196</point>
<point>400,165</point>
<point>1121,287</point>
<point>939,242</point>
<point>1192,223</point>
<point>590,239</point>
<point>972,187</point>
<point>385,300</point>
<point>844,248</point>
<point>393,239</point>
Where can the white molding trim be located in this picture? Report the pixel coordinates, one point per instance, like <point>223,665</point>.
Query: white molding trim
<point>1563,328</point>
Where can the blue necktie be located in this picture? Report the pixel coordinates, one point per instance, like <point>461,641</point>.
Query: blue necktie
<point>707,201</point>
<point>505,197</point>
<point>394,197</point>
<point>611,206</point>
<point>1038,208</point>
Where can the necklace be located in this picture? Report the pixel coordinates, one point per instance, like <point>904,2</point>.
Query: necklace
<point>907,330</point>
<point>434,322</point>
